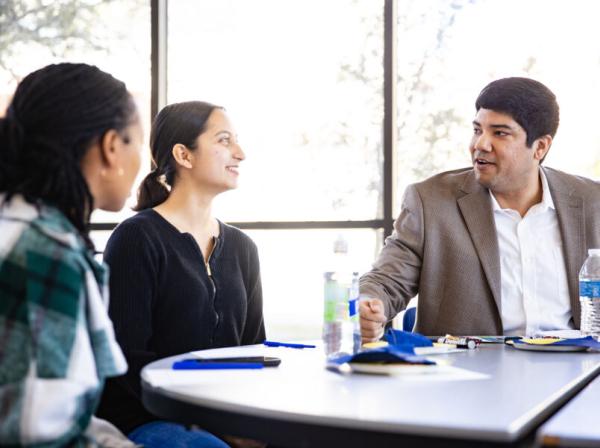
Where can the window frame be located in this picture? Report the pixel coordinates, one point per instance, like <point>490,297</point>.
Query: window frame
<point>159,16</point>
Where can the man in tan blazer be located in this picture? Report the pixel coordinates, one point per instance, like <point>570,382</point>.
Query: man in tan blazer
<point>461,241</point>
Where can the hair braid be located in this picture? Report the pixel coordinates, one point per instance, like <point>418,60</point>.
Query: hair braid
<point>55,115</point>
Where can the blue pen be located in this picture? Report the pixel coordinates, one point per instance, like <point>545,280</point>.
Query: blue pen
<point>287,344</point>
<point>190,364</point>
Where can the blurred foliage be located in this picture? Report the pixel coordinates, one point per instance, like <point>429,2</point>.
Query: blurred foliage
<point>415,120</point>
<point>58,25</point>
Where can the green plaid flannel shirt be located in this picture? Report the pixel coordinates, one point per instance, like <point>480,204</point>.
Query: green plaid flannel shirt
<point>57,343</point>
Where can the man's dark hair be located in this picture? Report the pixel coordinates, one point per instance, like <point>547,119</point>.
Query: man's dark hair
<point>530,103</point>
<point>55,115</point>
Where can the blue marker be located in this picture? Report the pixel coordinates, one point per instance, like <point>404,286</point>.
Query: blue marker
<point>287,344</point>
<point>192,364</point>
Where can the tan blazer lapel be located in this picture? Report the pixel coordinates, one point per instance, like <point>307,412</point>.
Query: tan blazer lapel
<point>569,210</point>
<point>476,209</point>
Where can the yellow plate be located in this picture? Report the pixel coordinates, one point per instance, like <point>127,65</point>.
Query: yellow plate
<point>547,348</point>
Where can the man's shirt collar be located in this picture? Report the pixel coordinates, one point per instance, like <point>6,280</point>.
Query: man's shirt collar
<point>546,203</point>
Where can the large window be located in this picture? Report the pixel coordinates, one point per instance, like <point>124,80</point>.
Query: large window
<point>339,104</point>
<point>306,91</point>
<point>448,51</point>
<point>303,84</point>
<point>309,121</point>
<point>292,266</point>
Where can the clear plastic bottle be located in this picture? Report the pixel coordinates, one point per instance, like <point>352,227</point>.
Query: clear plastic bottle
<point>341,331</point>
<point>589,294</point>
<point>333,295</point>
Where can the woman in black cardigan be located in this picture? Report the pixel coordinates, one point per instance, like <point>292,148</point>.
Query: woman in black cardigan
<point>180,279</point>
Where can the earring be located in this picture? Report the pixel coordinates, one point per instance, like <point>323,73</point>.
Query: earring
<point>120,172</point>
<point>103,172</point>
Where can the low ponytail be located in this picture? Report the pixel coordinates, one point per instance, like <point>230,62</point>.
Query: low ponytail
<point>152,192</point>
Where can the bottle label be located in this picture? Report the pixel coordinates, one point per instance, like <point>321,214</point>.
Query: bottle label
<point>329,311</point>
<point>352,307</point>
<point>590,289</point>
<point>335,299</point>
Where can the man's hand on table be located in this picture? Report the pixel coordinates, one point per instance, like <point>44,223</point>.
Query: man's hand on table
<point>372,319</point>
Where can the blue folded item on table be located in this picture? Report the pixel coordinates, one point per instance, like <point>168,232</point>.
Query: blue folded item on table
<point>400,349</point>
<point>381,355</point>
<point>588,341</point>
<point>405,340</point>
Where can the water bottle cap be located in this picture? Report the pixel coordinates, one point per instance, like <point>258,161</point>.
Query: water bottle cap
<point>340,245</point>
<point>593,252</point>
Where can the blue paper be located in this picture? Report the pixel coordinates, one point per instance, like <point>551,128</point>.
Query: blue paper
<point>389,354</point>
<point>400,348</point>
<point>588,341</point>
<point>402,339</point>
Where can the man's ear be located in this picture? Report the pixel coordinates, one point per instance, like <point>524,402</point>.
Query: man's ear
<point>182,155</point>
<point>541,146</point>
<point>109,148</point>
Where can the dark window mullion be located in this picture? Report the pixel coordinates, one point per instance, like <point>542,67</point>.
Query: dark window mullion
<point>158,37</point>
<point>389,114</point>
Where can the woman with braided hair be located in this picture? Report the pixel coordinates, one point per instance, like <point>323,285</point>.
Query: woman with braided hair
<point>70,142</point>
<point>181,280</point>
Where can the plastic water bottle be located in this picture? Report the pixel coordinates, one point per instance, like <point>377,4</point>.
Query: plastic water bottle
<point>341,331</point>
<point>334,296</point>
<point>589,294</point>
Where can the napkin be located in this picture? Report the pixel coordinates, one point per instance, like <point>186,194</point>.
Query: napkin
<point>400,349</point>
<point>405,340</point>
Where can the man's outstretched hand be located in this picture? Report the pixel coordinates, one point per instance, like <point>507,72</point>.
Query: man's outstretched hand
<point>372,319</point>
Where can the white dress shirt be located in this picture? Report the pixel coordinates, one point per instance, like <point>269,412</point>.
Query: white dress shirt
<point>535,293</point>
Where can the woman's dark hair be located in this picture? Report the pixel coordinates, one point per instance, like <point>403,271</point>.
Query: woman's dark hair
<point>529,102</point>
<point>54,117</point>
<point>178,123</point>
